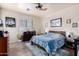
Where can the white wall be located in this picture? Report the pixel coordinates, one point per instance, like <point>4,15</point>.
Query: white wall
<point>1,28</point>
<point>19,16</point>
<point>41,24</point>
<point>67,13</point>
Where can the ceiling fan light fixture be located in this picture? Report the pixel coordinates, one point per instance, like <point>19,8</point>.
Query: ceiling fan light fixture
<point>28,9</point>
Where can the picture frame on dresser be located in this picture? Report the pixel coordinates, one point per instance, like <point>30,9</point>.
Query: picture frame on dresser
<point>1,23</point>
<point>56,22</point>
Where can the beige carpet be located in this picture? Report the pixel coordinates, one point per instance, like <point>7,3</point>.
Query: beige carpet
<point>18,49</point>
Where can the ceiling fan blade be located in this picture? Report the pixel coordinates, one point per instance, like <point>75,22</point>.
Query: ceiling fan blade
<point>43,9</point>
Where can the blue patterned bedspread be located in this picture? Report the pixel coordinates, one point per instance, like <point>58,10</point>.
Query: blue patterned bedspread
<point>50,42</point>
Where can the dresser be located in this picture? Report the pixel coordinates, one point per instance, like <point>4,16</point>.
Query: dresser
<point>3,46</point>
<point>28,35</point>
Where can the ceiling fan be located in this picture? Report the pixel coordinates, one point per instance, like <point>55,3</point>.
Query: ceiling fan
<point>37,6</point>
<point>40,6</point>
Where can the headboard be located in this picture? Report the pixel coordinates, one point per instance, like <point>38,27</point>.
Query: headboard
<point>61,32</point>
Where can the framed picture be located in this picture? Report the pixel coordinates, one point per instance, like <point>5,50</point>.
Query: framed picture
<point>10,22</point>
<point>56,22</point>
<point>74,25</point>
<point>68,21</point>
<point>1,23</point>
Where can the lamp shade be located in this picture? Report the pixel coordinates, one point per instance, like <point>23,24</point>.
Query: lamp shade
<point>70,36</point>
<point>46,30</point>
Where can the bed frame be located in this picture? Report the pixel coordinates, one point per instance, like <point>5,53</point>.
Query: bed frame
<point>60,32</point>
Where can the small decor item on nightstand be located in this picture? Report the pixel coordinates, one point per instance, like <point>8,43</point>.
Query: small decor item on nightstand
<point>6,34</point>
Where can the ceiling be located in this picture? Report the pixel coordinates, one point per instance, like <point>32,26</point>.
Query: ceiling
<point>22,8</point>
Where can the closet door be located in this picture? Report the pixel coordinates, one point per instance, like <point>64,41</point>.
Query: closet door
<point>29,24</point>
<point>22,26</point>
<point>25,25</point>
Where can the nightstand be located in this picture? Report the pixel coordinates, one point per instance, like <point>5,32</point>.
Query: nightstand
<point>76,49</point>
<point>70,42</point>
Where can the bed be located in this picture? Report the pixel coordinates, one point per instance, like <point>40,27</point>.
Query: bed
<point>50,42</point>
